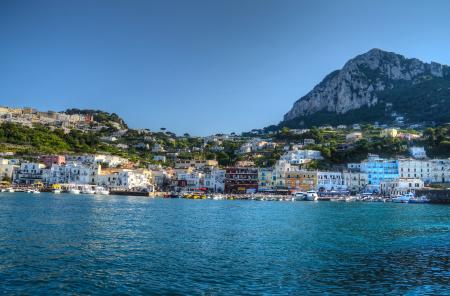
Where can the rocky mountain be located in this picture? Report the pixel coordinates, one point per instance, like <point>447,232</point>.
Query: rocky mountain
<point>377,86</point>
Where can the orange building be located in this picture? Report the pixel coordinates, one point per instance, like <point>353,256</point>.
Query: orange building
<point>301,180</point>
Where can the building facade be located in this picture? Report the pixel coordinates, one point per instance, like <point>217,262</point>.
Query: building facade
<point>355,181</point>
<point>6,169</point>
<point>401,186</point>
<point>29,173</point>
<point>301,180</point>
<point>267,180</point>
<point>241,180</point>
<point>327,181</point>
<point>379,170</point>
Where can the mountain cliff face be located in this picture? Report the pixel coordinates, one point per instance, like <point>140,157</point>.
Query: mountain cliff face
<point>378,81</point>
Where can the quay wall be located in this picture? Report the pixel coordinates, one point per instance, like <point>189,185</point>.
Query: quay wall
<point>437,196</point>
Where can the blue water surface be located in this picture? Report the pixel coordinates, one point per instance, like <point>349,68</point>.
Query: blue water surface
<point>110,245</point>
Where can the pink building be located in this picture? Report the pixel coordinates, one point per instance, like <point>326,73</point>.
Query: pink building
<point>48,160</point>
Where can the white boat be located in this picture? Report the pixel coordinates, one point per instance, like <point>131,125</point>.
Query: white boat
<point>350,198</point>
<point>56,191</point>
<point>87,190</point>
<point>218,197</point>
<point>403,198</point>
<point>312,195</point>
<point>101,191</point>
<point>74,191</point>
<point>10,190</point>
<point>35,191</point>
<point>298,196</point>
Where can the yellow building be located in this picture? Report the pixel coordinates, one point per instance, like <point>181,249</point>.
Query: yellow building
<point>389,132</point>
<point>301,180</point>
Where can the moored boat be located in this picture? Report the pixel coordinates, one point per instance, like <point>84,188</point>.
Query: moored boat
<point>299,196</point>
<point>101,191</point>
<point>403,198</point>
<point>74,191</point>
<point>311,195</point>
<point>419,200</point>
<point>87,190</point>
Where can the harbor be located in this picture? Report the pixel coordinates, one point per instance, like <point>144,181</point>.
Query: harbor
<point>421,197</point>
<point>89,241</point>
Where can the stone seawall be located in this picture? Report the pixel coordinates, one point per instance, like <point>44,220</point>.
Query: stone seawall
<point>437,196</point>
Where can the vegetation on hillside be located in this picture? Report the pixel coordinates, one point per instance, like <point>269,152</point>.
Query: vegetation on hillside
<point>99,116</point>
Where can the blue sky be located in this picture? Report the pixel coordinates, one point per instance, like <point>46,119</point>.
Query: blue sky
<point>199,66</point>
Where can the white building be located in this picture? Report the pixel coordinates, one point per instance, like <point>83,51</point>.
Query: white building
<point>440,170</point>
<point>255,145</point>
<point>417,152</point>
<point>245,148</point>
<point>429,171</point>
<point>401,186</point>
<point>6,169</point>
<point>109,139</point>
<point>301,156</point>
<point>279,172</point>
<point>29,173</point>
<point>190,180</point>
<point>158,148</point>
<point>414,168</point>
<point>125,179</point>
<point>161,158</point>
<point>330,181</point>
<point>355,181</point>
<point>215,180</point>
<point>72,172</point>
<point>111,161</point>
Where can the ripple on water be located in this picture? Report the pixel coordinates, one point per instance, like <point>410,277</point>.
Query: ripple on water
<point>133,245</point>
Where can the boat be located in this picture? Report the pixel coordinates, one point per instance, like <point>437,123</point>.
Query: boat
<point>10,190</point>
<point>403,198</point>
<point>56,191</point>
<point>74,191</point>
<point>419,200</point>
<point>101,191</point>
<point>35,191</point>
<point>218,197</point>
<point>299,196</point>
<point>87,190</point>
<point>311,195</point>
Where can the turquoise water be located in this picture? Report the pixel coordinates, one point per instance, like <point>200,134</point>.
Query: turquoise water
<point>66,244</point>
